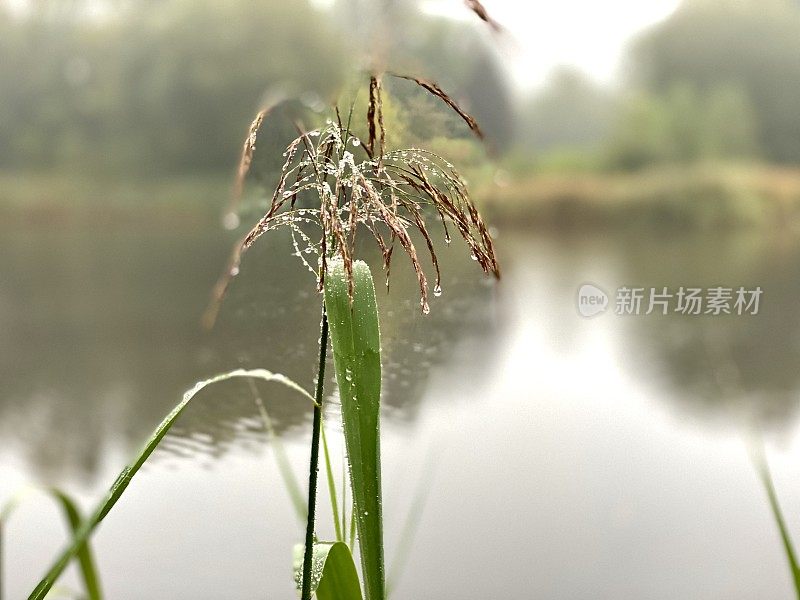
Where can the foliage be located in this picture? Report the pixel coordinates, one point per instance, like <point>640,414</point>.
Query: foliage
<point>749,45</point>
<point>355,339</point>
<point>759,458</point>
<point>87,526</point>
<point>115,88</point>
<point>152,90</point>
<point>83,556</point>
<point>683,125</point>
<point>334,575</point>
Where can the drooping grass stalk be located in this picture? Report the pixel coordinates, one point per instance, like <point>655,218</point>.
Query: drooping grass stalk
<point>758,456</point>
<point>383,193</point>
<point>87,527</point>
<point>313,465</point>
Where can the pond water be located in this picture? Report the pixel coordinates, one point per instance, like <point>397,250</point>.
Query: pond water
<point>542,454</point>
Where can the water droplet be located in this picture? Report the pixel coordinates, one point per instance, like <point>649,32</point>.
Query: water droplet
<point>230,221</point>
<point>234,271</point>
<point>425,308</point>
<point>356,142</point>
<point>437,290</point>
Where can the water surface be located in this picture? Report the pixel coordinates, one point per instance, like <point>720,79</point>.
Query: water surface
<point>559,457</point>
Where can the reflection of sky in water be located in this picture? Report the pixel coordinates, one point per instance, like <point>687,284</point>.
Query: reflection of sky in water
<point>568,466</point>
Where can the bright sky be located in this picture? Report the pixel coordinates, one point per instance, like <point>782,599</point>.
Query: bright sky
<point>588,34</point>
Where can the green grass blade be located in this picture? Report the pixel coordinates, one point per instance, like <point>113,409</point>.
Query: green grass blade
<point>331,486</point>
<point>284,466</point>
<point>762,468</point>
<point>88,526</point>
<point>355,339</point>
<point>352,542</point>
<point>334,574</point>
<point>69,508</point>
<point>84,554</point>
<point>344,498</point>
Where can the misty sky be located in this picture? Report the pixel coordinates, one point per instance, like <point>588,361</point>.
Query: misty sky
<point>585,33</point>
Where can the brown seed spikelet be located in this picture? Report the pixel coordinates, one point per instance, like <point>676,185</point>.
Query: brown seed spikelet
<point>435,90</point>
<point>478,8</point>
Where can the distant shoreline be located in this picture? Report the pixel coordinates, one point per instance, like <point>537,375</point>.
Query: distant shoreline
<point>698,196</point>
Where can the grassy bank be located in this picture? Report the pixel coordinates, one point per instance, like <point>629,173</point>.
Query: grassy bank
<point>696,196</point>
<point>61,199</point>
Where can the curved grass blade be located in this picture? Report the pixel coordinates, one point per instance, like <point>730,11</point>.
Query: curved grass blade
<point>331,486</point>
<point>69,508</point>
<point>334,575</point>
<point>355,338</point>
<point>88,526</point>
<point>758,456</point>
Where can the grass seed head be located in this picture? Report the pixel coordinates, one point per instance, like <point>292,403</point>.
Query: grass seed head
<point>325,194</point>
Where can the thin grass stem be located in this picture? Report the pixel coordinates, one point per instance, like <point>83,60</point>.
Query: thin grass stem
<point>313,466</point>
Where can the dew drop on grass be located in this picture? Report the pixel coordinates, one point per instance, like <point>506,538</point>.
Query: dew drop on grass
<point>356,142</point>
<point>234,271</point>
<point>437,290</point>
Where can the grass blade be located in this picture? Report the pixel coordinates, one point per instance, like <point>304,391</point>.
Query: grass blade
<point>334,575</point>
<point>331,486</point>
<point>88,526</point>
<point>412,522</point>
<point>355,339</point>
<point>344,498</point>
<point>69,508</point>
<point>282,461</point>
<point>761,465</point>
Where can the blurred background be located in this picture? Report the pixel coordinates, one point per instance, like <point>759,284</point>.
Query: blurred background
<point>646,144</point>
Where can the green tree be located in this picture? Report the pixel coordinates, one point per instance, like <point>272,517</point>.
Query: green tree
<point>750,45</point>
<point>683,125</point>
